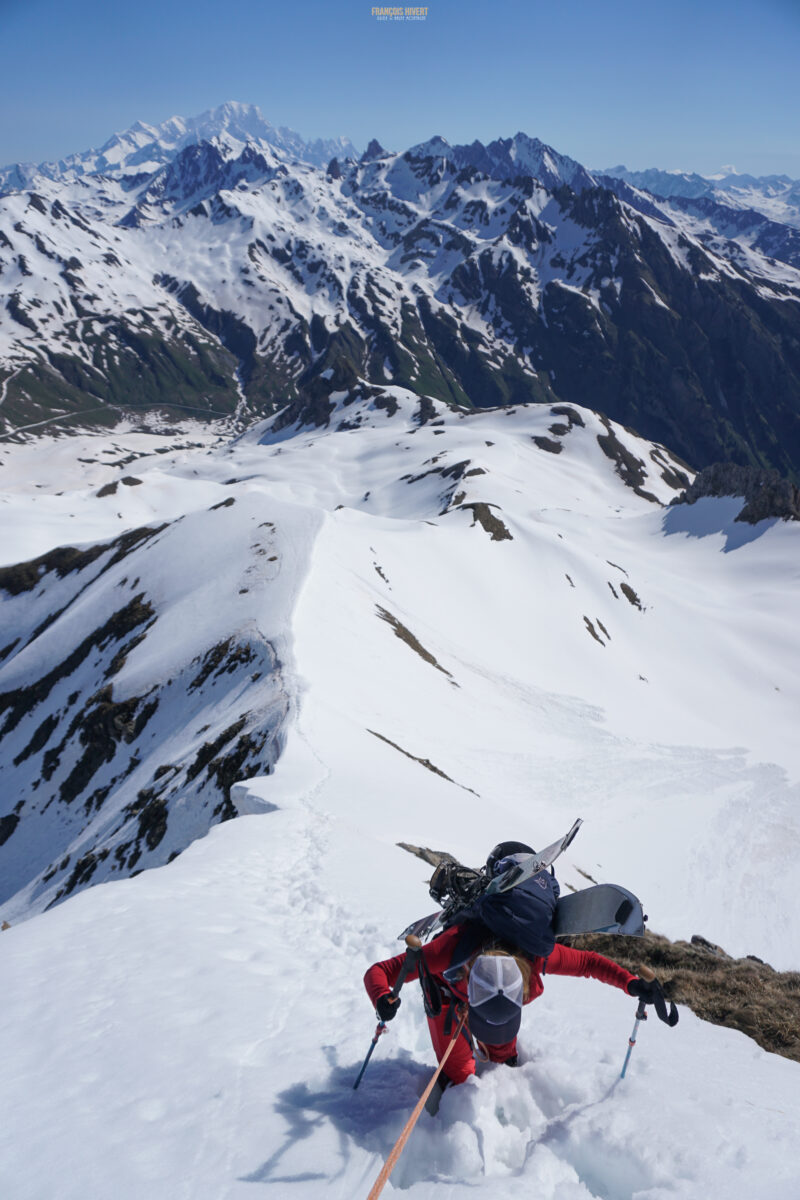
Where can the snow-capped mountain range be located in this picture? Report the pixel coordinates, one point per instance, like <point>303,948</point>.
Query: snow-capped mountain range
<point>144,148</point>
<point>375,618</point>
<point>214,265</point>
<point>774,196</point>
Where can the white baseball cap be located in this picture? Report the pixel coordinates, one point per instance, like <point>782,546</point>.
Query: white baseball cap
<point>496,992</point>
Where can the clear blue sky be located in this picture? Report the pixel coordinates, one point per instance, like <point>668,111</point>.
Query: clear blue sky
<point>695,85</point>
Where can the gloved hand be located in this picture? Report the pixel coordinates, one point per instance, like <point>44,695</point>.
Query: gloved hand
<point>387,1006</point>
<point>650,991</point>
<point>645,989</point>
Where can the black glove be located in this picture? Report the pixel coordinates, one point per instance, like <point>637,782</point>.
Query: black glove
<point>387,1006</point>
<point>645,989</point>
<point>650,991</point>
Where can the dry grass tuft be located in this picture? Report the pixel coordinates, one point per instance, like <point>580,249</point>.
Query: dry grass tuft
<point>740,993</point>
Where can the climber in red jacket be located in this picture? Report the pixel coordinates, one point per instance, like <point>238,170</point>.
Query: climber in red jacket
<point>465,965</point>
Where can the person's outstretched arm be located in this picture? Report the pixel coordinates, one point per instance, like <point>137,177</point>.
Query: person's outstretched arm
<point>566,961</point>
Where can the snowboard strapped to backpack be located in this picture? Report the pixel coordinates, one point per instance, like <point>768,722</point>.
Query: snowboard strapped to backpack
<point>516,897</point>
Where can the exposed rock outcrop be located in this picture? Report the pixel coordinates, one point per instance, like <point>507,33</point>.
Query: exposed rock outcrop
<point>765,492</point>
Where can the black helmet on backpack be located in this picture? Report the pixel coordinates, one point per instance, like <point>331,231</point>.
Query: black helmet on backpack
<point>503,850</point>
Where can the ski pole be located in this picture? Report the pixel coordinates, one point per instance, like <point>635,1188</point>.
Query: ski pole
<point>641,1015</point>
<point>413,953</point>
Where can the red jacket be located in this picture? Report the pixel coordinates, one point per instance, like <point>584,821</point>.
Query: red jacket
<point>438,955</point>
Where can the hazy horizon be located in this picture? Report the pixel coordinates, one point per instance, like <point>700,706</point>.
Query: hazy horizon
<point>679,89</point>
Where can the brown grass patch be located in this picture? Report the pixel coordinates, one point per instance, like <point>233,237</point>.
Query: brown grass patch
<point>739,993</point>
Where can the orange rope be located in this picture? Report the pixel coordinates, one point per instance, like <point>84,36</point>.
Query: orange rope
<point>397,1149</point>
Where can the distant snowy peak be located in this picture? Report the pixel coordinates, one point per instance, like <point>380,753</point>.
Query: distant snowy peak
<point>144,148</point>
<point>435,147</point>
<point>728,177</point>
<point>523,155</point>
<point>202,169</point>
<point>664,183</point>
<point>690,183</point>
<point>510,158</point>
<point>774,196</point>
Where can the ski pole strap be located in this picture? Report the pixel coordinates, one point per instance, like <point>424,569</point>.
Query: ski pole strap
<point>668,1016</point>
<point>397,1149</point>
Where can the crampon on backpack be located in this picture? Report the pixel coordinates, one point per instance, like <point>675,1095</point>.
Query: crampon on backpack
<point>522,916</point>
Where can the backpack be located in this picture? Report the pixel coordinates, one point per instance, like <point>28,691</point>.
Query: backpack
<point>522,916</point>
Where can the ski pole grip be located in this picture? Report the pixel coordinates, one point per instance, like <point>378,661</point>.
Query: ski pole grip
<point>413,952</point>
<point>668,1015</point>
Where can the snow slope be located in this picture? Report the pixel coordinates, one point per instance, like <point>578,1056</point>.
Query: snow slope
<point>195,1030</point>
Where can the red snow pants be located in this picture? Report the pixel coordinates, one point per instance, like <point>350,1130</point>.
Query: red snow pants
<point>461,1063</point>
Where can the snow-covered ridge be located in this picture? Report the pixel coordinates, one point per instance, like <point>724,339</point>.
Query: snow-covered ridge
<point>145,689</point>
<point>501,596</point>
<point>428,624</point>
<point>120,651</point>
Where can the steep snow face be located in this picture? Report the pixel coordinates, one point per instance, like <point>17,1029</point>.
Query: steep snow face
<point>487,624</point>
<point>196,1031</point>
<point>143,677</point>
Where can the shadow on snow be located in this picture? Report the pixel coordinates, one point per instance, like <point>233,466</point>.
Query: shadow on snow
<point>371,1117</point>
<point>714,515</point>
